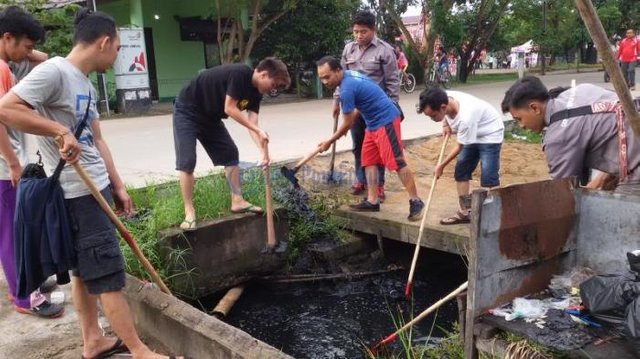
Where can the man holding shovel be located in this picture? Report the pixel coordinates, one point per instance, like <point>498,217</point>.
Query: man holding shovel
<point>382,144</point>
<point>480,131</point>
<point>217,93</point>
<point>61,93</point>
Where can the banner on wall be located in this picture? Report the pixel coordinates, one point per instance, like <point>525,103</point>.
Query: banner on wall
<point>130,67</point>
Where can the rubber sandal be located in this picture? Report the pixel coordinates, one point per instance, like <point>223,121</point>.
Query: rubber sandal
<point>457,218</point>
<point>188,226</point>
<point>116,348</point>
<point>249,209</point>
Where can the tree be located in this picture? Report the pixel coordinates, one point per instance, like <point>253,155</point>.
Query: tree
<point>313,29</point>
<point>233,40</point>
<point>58,23</point>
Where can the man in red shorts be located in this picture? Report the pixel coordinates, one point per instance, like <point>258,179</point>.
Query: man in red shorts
<point>382,145</point>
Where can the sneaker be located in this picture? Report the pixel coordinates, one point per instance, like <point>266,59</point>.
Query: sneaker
<point>381,195</point>
<point>365,206</point>
<point>49,285</point>
<point>358,189</point>
<point>415,209</point>
<point>44,310</point>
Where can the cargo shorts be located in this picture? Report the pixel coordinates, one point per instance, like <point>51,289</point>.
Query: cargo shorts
<point>100,262</point>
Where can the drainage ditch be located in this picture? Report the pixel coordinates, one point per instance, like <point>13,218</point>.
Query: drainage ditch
<point>339,318</point>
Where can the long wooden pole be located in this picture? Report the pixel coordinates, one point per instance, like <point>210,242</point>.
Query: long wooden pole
<point>271,232</point>
<point>121,228</point>
<point>594,26</point>
<point>414,261</point>
<point>333,149</point>
<point>421,316</point>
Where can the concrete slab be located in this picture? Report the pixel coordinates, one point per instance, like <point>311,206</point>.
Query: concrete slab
<point>520,162</point>
<point>170,322</point>
<point>221,253</point>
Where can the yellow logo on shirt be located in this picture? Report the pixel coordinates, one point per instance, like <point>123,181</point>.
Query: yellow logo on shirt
<point>242,104</point>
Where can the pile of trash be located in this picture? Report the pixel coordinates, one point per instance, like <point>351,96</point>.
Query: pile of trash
<point>583,307</point>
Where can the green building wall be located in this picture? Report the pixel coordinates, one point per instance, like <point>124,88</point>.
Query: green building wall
<point>176,61</point>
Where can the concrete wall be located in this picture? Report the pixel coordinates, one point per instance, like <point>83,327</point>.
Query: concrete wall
<point>608,228</point>
<point>221,253</point>
<point>166,322</point>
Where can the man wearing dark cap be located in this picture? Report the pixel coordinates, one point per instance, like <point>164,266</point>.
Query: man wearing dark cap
<point>479,130</point>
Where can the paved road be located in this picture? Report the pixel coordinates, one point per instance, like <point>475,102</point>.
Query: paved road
<point>143,147</point>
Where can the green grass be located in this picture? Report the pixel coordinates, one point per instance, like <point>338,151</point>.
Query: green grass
<point>488,78</point>
<point>159,206</point>
<point>518,134</point>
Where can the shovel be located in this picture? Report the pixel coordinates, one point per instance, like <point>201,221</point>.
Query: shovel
<point>330,176</point>
<point>290,174</point>
<point>414,261</point>
<point>273,245</point>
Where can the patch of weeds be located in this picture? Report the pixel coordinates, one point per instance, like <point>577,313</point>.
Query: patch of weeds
<point>518,134</point>
<point>310,215</point>
<point>524,348</point>
<point>160,206</point>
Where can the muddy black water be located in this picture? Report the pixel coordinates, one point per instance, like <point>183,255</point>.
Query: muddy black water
<point>337,319</point>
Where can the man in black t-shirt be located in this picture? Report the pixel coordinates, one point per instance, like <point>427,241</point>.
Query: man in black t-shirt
<point>221,92</point>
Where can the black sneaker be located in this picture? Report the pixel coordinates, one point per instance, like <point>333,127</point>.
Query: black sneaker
<point>415,209</point>
<point>44,310</point>
<point>365,206</point>
<point>49,285</point>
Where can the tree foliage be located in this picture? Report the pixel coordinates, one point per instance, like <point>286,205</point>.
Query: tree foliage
<point>230,15</point>
<point>58,23</point>
<point>313,29</point>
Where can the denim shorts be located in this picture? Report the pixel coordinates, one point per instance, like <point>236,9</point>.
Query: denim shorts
<point>100,262</point>
<point>189,126</point>
<point>488,155</point>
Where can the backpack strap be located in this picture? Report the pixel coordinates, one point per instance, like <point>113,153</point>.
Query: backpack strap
<point>603,107</point>
<point>77,134</point>
<point>570,112</point>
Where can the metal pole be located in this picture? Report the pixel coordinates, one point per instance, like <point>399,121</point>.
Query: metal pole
<point>102,84</point>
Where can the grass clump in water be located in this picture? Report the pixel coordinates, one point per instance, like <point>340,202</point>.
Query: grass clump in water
<point>160,206</point>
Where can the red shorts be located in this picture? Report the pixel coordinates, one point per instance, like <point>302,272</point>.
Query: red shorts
<point>383,146</point>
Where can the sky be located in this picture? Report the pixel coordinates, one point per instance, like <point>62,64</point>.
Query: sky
<point>412,10</point>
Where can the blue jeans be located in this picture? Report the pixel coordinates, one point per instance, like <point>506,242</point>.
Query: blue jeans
<point>488,154</point>
<point>357,135</point>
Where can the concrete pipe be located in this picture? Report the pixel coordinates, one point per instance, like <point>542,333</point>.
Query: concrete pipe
<point>226,303</point>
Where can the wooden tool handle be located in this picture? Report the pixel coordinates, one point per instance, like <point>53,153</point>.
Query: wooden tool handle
<point>414,261</point>
<point>333,146</point>
<point>306,159</point>
<point>117,223</point>
<point>121,228</point>
<point>271,232</point>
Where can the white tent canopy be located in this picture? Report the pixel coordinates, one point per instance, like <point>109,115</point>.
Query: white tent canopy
<point>526,47</point>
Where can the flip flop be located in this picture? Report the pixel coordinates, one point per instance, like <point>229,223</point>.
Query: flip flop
<point>117,347</point>
<point>188,226</point>
<point>249,209</point>
<point>457,218</point>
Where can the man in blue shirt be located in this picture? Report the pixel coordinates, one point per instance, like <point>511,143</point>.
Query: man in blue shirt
<point>382,145</point>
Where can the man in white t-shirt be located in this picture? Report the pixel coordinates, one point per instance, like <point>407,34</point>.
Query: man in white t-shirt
<point>480,131</point>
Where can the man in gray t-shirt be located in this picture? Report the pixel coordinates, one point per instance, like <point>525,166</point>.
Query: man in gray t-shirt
<point>60,91</point>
